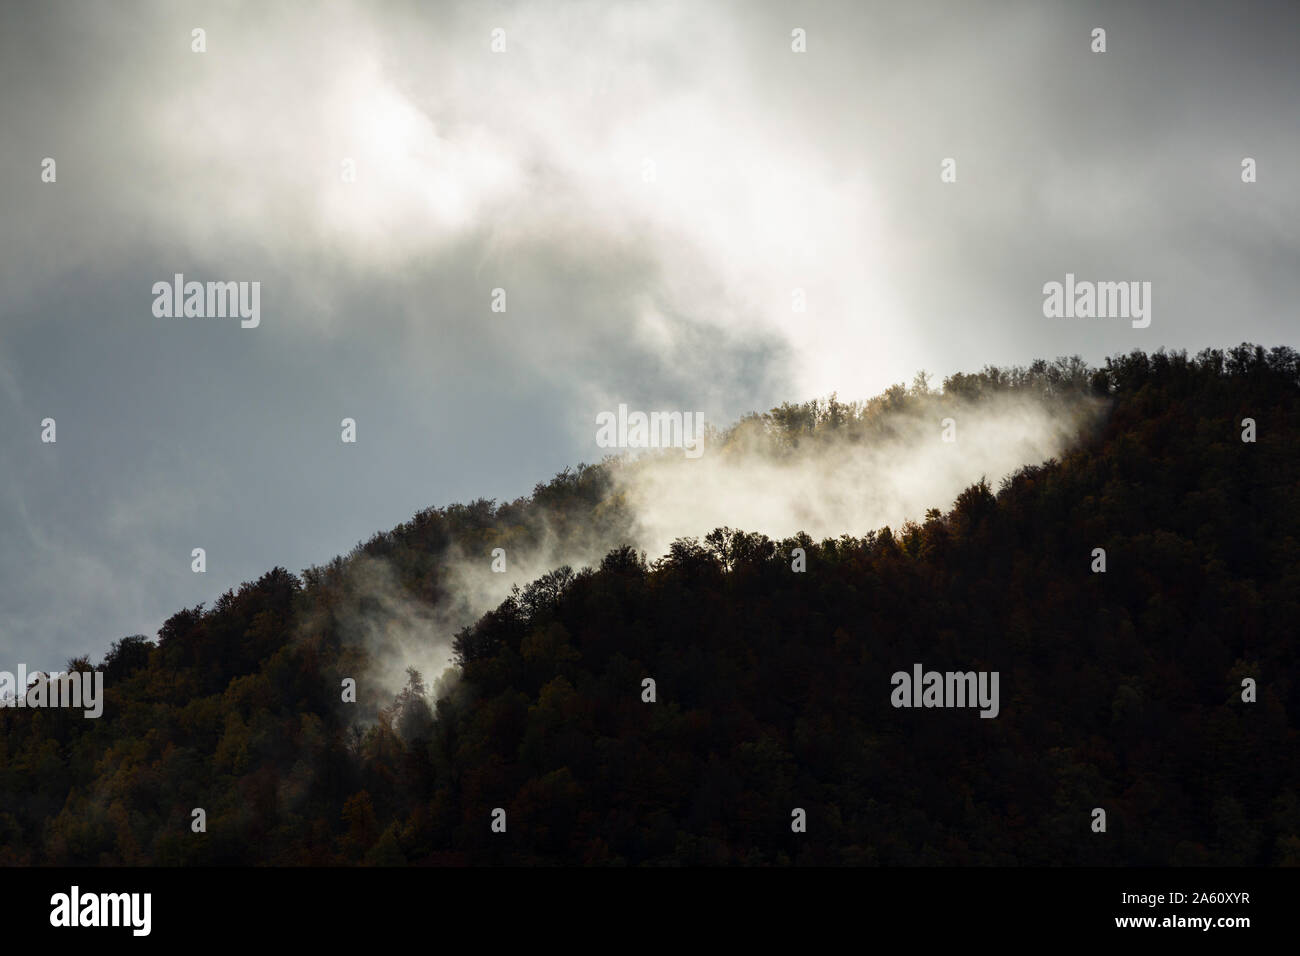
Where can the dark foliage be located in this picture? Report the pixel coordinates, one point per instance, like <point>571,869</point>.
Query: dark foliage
<point>1119,690</point>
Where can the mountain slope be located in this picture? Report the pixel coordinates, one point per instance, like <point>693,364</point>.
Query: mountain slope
<point>1119,690</point>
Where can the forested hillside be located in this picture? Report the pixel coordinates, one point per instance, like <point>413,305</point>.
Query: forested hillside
<point>1120,690</point>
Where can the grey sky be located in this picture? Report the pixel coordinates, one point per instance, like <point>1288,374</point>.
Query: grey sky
<point>524,170</point>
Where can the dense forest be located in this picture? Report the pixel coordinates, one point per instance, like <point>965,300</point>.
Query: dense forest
<point>1120,690</point>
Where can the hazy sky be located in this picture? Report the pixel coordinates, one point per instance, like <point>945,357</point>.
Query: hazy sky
<point>649,182</point>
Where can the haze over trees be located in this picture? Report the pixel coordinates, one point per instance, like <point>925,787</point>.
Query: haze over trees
<point>1120,690</point>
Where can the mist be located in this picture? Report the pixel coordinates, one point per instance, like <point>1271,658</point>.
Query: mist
<point>824,468</point>
<point>826,489</point>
